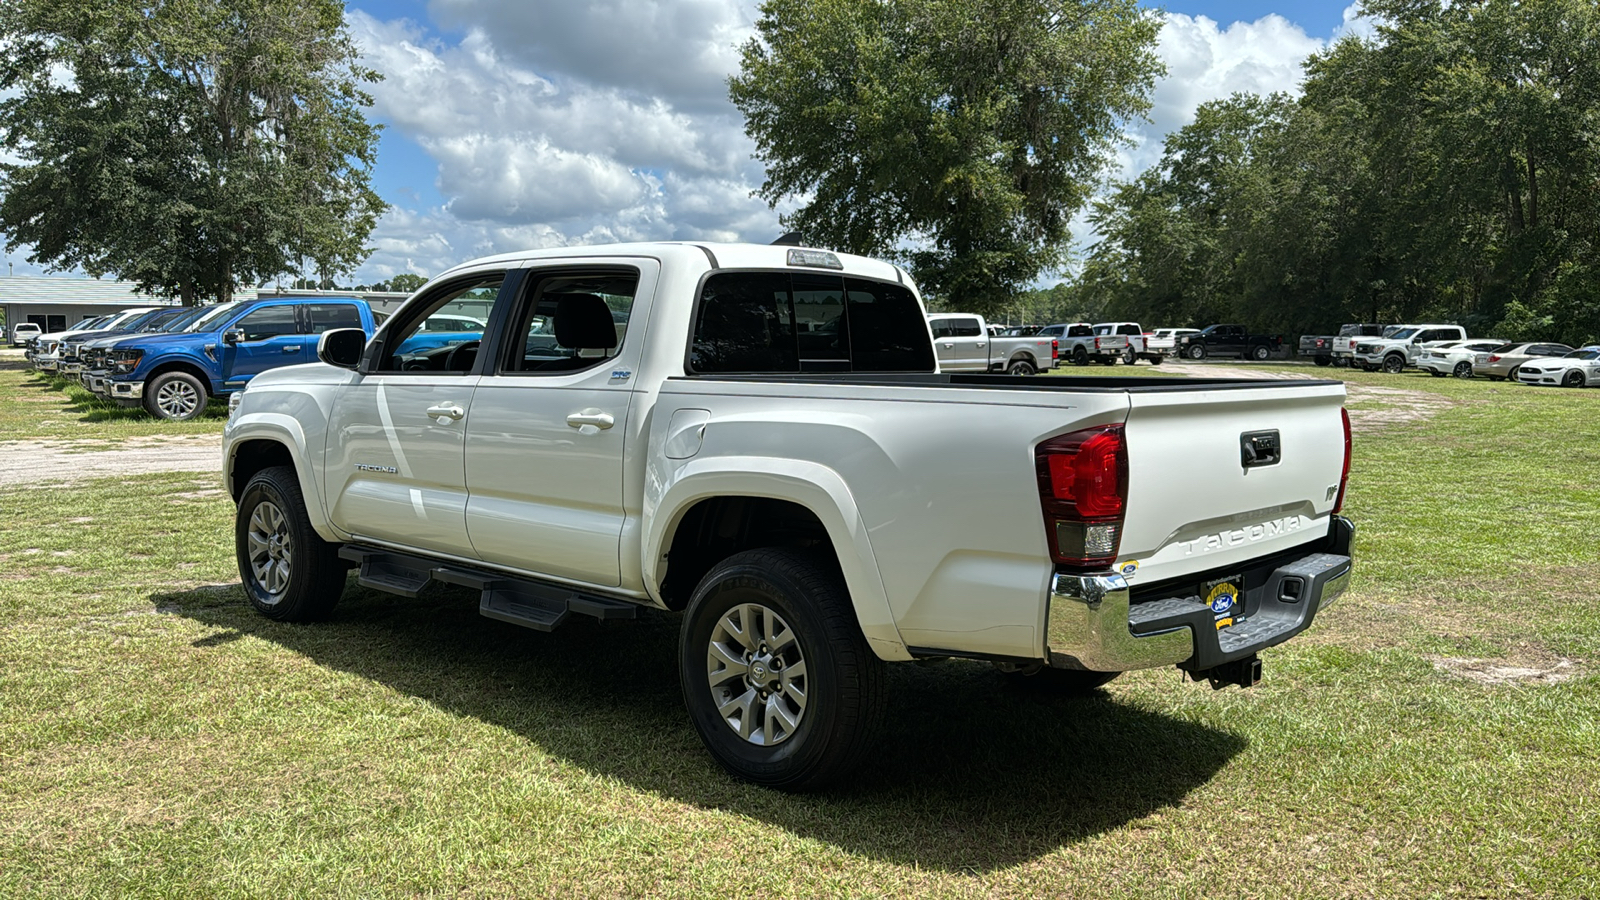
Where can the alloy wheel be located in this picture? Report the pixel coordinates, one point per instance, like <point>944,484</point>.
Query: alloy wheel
<point>270,548</point>
<point>756,674</point>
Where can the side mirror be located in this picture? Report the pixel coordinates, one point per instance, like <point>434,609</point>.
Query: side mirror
<point>233,336</point>
<point>342,347</point>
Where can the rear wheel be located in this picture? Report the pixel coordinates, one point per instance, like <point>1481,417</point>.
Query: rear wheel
<point>177,396</point>
<point>1080,356</point>
<point>777,677</point>
<point>1463,369</point>
<point>1435,373</point>
<point>1128,357</point>
<point>1572,380</point>
<point>1020,367</point>
<point>1512,375</point>
<point>289,572</point>
<point>1260,352</point>
<point>1155,359</point>
<point>1323,360</point>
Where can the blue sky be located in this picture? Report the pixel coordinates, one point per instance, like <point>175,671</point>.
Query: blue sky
<point>533,123</point>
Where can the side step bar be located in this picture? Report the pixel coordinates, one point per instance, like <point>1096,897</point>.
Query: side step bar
<point>539,605</point>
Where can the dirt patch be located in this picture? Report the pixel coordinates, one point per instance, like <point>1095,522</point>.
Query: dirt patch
<point>1500,671</point>
<point>37,462</point>
<point>1371,408</point>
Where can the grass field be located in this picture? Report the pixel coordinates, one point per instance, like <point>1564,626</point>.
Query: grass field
<point>1434,735</point>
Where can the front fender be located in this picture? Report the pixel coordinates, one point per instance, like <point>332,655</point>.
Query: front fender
<point>815,487</point>
<point>286,431</point>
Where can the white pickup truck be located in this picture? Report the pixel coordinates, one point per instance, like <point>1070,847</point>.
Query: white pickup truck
<point>964,344</point>
<point>760,438</point>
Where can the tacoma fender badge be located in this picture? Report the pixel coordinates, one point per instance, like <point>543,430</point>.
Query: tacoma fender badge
<point>387,470</point>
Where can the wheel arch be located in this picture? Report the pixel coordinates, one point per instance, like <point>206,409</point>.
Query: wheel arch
<point>263,444</point>
<point>188,368</point>
<point>710,510</point>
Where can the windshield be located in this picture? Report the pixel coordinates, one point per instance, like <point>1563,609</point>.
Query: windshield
<point>216,314</point>
<point>1583,354</point>
<point>1404,333</point>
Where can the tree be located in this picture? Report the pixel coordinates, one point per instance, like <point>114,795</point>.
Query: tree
<point>190,146</point>
<point>959,135</point>
<point>405,282</point>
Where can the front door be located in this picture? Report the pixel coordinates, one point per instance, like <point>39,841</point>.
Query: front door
<point>396,471</point>
<point>271,337</point>
<point>550,423</point>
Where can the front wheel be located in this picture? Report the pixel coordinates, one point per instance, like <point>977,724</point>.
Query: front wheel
<point>777,677</point>
<point>177,396</point>
<point>1196,352</point>
<point>1260,353</point>
<point>1394,364</point>
<point>1572,380</point>
<point>1021,367</point>
<point>289,572</point>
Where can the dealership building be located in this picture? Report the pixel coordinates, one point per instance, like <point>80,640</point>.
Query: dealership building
<point>56,303</point>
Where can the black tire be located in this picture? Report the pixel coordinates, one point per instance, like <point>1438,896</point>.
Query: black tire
<point>1512,375</point>
<point>1060,681</point>
<point>1196,352</point>
<point>1021,367</point>
<point>1128,358</point>
<point>1572,380</point>
<point>175,396</point>
<point>1463,369</point>
<point>1155,359</point>
<point>1394,364</point>
<point>1323,361</point>
<point>1108,360</point>
<point>844,681</point>
<point>1260,352</point>
<point>1341,363</point>
<point>1436,374</point>
<point>316,576</point>
<point>1080,356</point>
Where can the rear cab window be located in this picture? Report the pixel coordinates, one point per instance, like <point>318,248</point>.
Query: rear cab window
<point>787,323</point>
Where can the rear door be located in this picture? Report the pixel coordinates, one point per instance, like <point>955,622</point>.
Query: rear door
<point>550,422</point>
<point>1194,504</point>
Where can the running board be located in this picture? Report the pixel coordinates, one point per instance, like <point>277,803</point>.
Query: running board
<point>540,605</point>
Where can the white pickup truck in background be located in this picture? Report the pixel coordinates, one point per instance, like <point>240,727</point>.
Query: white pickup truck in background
<point>964,343</point>
<point>760,437</point>
<point>1126,341</point>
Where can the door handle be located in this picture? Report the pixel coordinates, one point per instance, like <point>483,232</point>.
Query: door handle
<point>446,411</point>
<point>599,420</point>
<point>293,349</point>
<point>949,345</point>
<point>981,345</point>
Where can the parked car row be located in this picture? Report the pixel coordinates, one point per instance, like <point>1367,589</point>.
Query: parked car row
<point>172,361</point>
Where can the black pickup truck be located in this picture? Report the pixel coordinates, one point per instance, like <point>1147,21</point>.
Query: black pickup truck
<point>1228,340</point>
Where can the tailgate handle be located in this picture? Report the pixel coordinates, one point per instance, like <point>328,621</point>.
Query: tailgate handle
<point>1260,448</point>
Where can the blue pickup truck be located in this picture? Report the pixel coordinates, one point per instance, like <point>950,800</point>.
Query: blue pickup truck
<point>173,375</point>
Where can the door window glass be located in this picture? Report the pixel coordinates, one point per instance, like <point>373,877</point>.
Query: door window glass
<point>328,316</point>
<point>942,328</point>
<point>442,335</point>
<point>572,322</point>
<point>966,327</point>
<point>267,322</point>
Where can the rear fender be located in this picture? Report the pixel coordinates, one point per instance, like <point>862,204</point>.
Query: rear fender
<point>815,487</point>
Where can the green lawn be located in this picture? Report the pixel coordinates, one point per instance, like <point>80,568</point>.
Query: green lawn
<point>43,407</point>
<point>159,739</point>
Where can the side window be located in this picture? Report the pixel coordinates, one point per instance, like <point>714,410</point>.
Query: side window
<point>1128,329</point>
<point>746,324</point>
<point>941,328</point>
<point>966,327</point>
<point>571,322</point>
<point>328,316</point>
<point>1080,331</point>
<point>425,341</point>
<point>268,322</point>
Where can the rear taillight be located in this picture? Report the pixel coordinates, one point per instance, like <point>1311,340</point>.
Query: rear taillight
<point>1055,349</point>
<point>1344,476</point>
<point>1083,488</point>
<point>1097,343</point>
<point>1493,358</point>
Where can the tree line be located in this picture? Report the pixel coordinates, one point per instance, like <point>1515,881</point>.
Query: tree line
<point>1447,169</point>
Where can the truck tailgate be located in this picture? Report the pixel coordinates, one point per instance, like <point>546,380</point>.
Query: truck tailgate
<point>1194,505</point>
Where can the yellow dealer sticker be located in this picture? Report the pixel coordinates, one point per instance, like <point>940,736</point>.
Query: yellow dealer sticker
<point>1222,599</point>
<point>1129,567</point>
